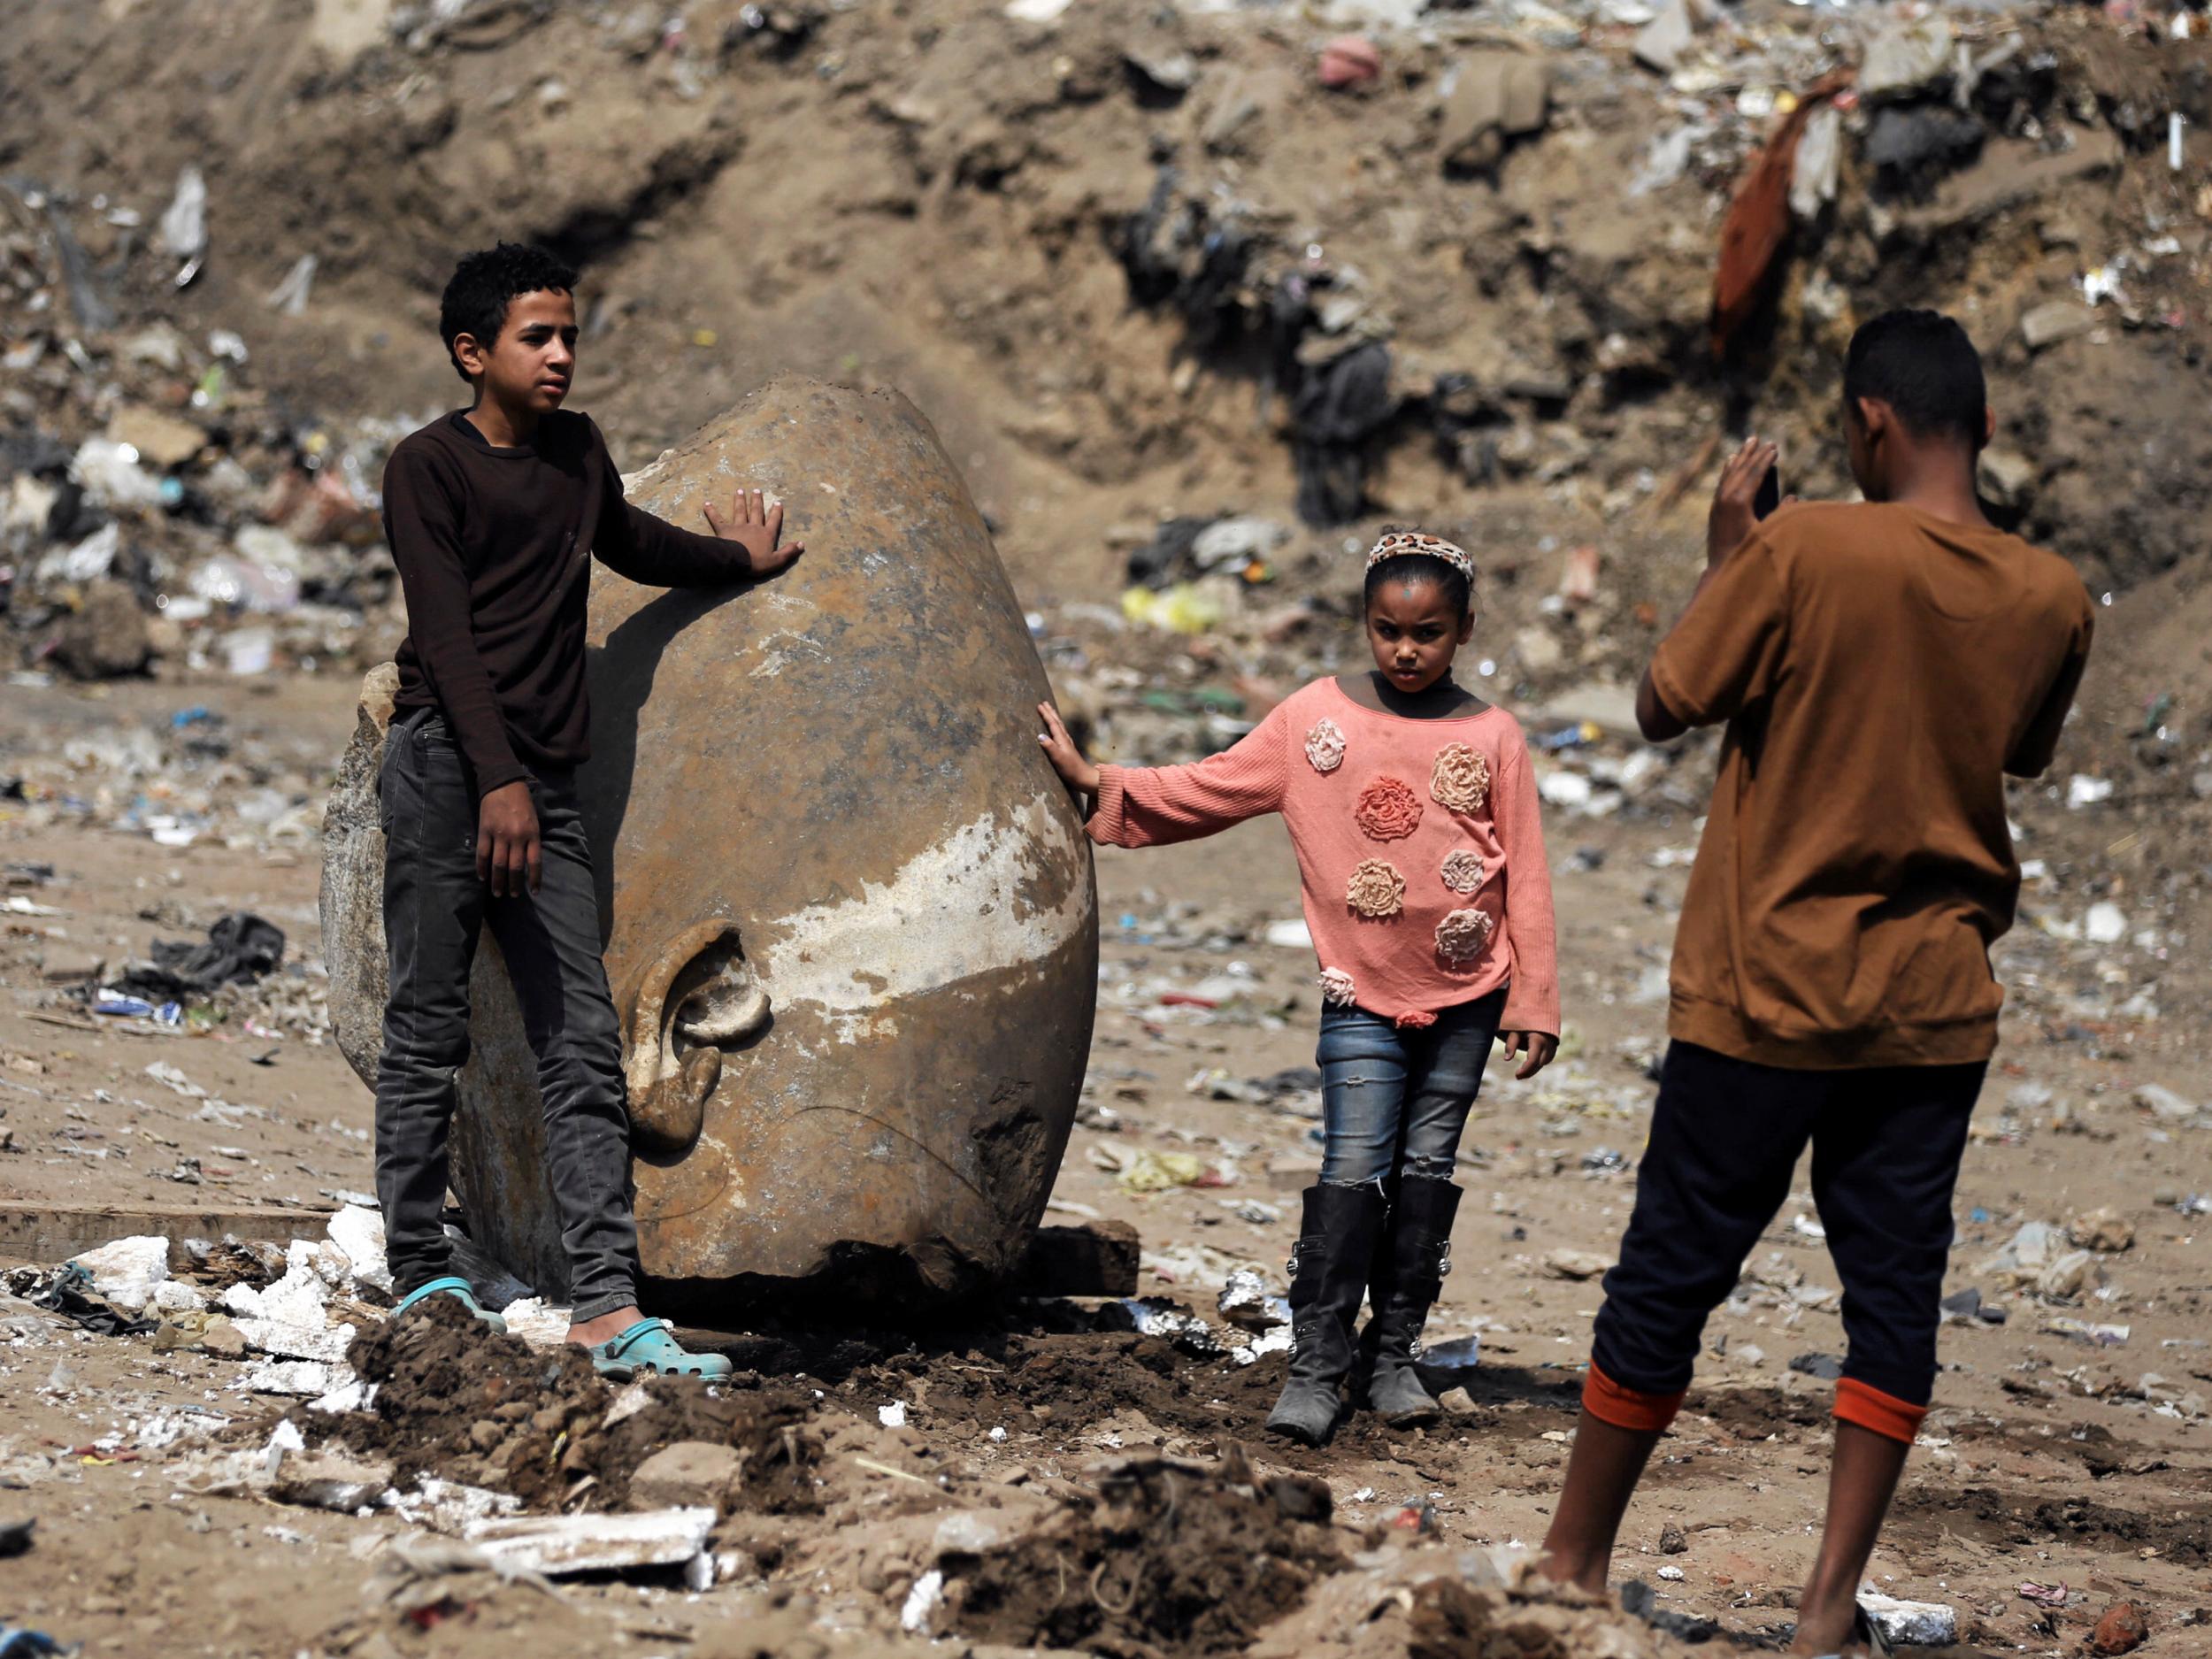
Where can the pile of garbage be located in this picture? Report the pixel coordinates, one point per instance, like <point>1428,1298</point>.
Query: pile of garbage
<point>159,505</point>
<point>290,1312</point>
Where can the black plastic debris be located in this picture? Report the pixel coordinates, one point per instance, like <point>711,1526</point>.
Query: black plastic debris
<point>1166,558</point>
<point>68,1292</point>
<point>1639,1600</point>
<point>1341,409</point>
<point>1911,149</point>
<point>239,950</point>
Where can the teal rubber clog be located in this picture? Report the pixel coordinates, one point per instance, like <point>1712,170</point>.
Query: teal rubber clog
<point>456,1288</point>
<point>649,1345</point>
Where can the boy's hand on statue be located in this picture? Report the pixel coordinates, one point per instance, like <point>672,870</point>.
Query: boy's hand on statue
<point>507,853</point>
<point>757,526</point>
<point>1733,518</point>
<point>1060,749</point>
<point>1536,1049</point>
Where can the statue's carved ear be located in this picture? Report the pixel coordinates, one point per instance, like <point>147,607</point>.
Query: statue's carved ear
<point>696,1000</point>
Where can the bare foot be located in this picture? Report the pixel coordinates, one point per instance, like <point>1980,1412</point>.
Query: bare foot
<point>607,1326</point>
<point>1585,1574</point>
<point>1827,1629</point>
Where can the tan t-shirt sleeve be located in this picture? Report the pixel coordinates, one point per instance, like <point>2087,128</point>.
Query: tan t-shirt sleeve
<point>2032,755</point>
<point>1725,654</point>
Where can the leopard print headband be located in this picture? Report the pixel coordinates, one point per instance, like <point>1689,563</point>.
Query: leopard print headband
<point>1400,542</point>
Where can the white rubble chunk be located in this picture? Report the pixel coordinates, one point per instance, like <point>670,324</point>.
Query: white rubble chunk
<point>560,1545</point>
<point>1910,1624</point>
<point>359,1232</point>
<point>127,1271</point>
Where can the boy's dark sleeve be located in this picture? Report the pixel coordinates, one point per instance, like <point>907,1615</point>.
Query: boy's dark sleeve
<point>422,525</point>
<point>652,551</point>
<point>2038,745</point>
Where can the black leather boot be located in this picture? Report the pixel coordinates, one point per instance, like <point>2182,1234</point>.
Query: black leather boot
<point>1417,1248</point>
<point>1328,1276</point>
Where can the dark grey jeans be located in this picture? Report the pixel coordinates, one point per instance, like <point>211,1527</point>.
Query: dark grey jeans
<point>1394,1103</point>
<point>435,905</point>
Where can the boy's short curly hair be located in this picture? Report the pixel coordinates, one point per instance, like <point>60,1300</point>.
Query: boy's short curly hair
<point>484,284</point>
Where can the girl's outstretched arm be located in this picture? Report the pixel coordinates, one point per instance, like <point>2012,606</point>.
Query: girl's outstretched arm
<point>1150,806</point>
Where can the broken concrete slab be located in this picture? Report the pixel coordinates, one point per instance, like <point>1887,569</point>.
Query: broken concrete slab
<point>559,1545</point>
<point>57,1232</point>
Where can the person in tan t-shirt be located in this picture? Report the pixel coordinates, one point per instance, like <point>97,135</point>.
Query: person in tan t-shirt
<point>1881,666</point>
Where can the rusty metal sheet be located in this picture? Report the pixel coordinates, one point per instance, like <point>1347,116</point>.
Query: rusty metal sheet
<point>1758,227</point>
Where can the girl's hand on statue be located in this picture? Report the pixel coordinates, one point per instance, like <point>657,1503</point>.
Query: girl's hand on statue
<point>1060,749</point>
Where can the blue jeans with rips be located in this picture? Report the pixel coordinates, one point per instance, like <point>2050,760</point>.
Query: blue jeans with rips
<point>1394,1101</point>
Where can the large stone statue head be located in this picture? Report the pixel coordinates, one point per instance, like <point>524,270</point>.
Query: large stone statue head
<point>851,925</point>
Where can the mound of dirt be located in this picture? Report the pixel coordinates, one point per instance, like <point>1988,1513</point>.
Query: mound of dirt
<point>1451,1619</point>
<point>461,1403</point>
<point>1172,1558</point>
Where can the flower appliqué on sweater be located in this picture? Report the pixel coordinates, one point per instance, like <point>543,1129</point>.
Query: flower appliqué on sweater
<point>1463,871</point>
<point>1337,989</point>
<point>1325,746</point>
<point>1460,935</point>
<point>1460,780</point>
<point>1387,809</point>
<point>1376,890</point>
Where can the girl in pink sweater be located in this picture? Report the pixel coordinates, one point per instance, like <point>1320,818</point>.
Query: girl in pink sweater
<point>1413,811</point>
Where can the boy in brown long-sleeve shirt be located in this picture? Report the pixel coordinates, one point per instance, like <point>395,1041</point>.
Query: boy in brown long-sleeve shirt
<point>492,514</point>
<point>1881,666</point>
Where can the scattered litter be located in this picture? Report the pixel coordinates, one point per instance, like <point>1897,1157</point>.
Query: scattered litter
<point>1248,1301</point>
<point>2083,1331</point>
<point>1151,1316</point>
<point>1451,1364</point>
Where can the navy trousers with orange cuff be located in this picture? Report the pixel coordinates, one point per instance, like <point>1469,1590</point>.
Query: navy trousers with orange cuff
<point>1726,1137</point>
